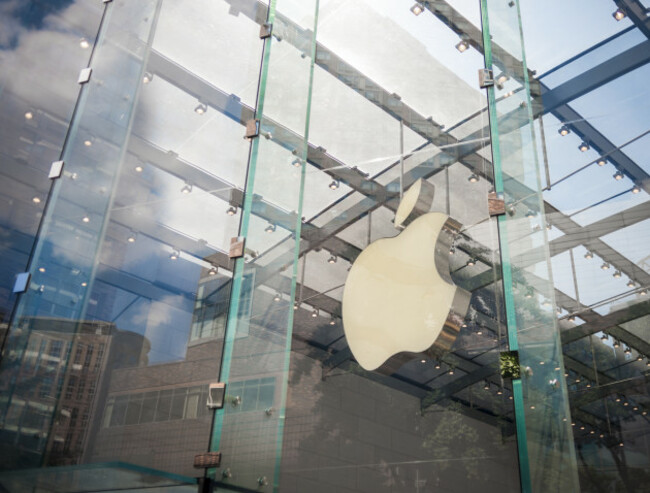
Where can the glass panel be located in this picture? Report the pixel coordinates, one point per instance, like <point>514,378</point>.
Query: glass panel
<point>546,451</point>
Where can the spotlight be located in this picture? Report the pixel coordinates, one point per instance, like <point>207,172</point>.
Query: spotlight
<point>605,266</point>
<point>334,185</point>
<point>187,188</point>
<point>437,365</point>
<point>619,14</point>
<point>604,337</point>
<point>41,269</point>
<point>636,189</point>
<point>616,344</point>
<point>500,391</point>
<point>618,176</point>
<point>86,218</point>
<point>423,361</point>
<point>451,371</point>
<point>174,255</point>
<point>131,238</point>
<point>29,115</point>
<point>84,284</point>
<point>201,109</point>
<point>639,357</point>
<point>138,169</point>
<point>462,46</point>
<point>277,297</point>
<point>486,386</point>
<point>231,211</point>
<point>83,42</point>
<point>564,130</point>
<point>473,178</point>
<point>584,147</point>
<point>332,259</point>
<point>212,271</point>
<point>314,313</point>
<point>630,283</point>
<point>617,274</point>
<point>471,262</point>
<point>297,163</point>
<point>643,292</point>
<point>589,255</point>
<point>332,321</point>
<point>417,9</point>
<point>147,77</point>
<point>36,200</point>
<point>270,228</point>
<point>89,141</point>
<point>601,162</point>
<point>627,350</point>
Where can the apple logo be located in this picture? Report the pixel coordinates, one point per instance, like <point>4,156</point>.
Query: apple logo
<point>399,301</point>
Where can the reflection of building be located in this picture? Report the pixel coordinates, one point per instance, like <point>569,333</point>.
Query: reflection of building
<point>62,375</point>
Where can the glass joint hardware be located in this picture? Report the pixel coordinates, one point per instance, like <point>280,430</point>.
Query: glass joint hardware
<point>56,169</point>
<point>269,411</point>
<point>252,129</point>
<point>262,481</point>
<point>237,247</point>
<point>226,473</point>
<point>22,281</point>
<point>485,78</point>
<point>216,395</point>
<point>207,460</point>
<point>496,204</point>
<point>84,75</point>
<point>266,30</point>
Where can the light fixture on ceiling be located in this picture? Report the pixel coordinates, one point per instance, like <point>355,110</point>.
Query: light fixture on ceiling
<point>618,176</point>
<point>619,14</point>
<point>564,130</point>
<point>473,178</point>
<point>627,350</point>
<point>131,237</point>
<point>486,385</point>
<point>187,188</point>
<point>334,185</point>
<point>616,344</point>
<point>277,297</point>
<point>462,46</point>
<point>231,211</point>
<point>138,168</point>
<point>423,361</point>
<point>479,330</point>
<point>83,42</point>
<point>212,271</point>
<point>630,283</point>
<point>174,255</point>
<point>451,370</point>
<point>529,293</point>
<point>436,365</point>
<point>639,357</point>
<point>589,255</point>
<point>147,77</point>
<point>89,141</point>
<point>617,274</point>
<point>270,228</point>
<point>36,200</point>
<point>530,213</point>
<point>452,250</point>
<point>571,318</point>
<point>201,108</point>
<point>314,313</point>
<point>584,146</point>
<point>636,189</point>
<point>500,391</point>
<point>643,292</point>
<point>417,8</point>
<point>605,266</point>
<point>297,163</point>
<point>549,226</point>
<point>85,218</point>
<point>601,162</point>
<point>29,115</point>
<point>604,337</point>
<point>471,262</point>
<point>332,259</point>
<point>41,269</point>
<point>295,306</point>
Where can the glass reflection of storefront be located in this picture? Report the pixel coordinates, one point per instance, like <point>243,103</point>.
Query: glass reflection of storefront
<point>134,303</point>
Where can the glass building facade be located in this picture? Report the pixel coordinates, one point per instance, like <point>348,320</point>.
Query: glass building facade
<point>188,187</point>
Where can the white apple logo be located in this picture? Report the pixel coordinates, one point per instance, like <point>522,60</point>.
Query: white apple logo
<point>399,300</point>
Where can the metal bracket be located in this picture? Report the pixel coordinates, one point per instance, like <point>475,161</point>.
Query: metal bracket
<point>252,129</point>
<point>56,169</point>
<point>84,75</point>
<point>485,78</point>
<point>207,460</point>
<point>496,204</point>
<point>266,30</point>
<point>237,247</point>
<point>216,395</point>
<point>22,281</point>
